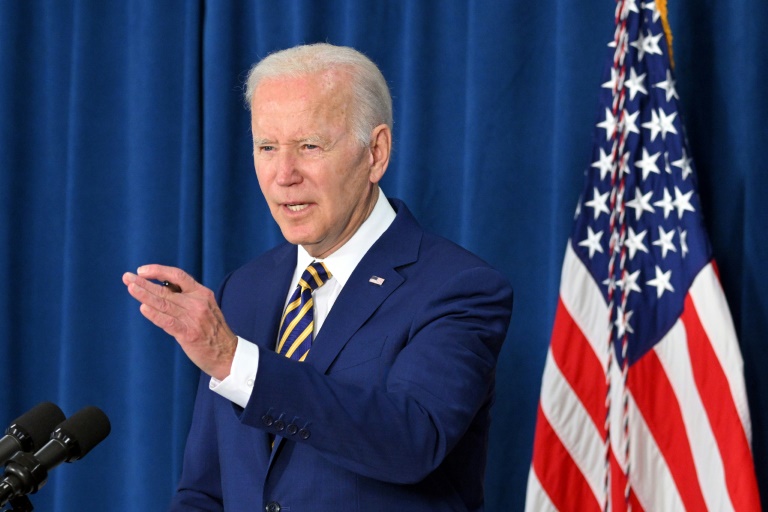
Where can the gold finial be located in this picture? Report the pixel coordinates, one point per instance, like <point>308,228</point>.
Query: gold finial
<point>661,6</point>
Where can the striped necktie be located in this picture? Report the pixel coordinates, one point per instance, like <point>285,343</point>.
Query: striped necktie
<point>298,322</point>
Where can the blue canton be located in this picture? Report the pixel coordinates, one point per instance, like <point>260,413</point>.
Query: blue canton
<point>662,244</point>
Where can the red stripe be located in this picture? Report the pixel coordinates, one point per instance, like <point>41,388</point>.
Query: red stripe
<point>658,405</point>
<point>618,485</point>
<point>579,365</point>
<point>636,507</point>
<point>723,418</point>
<point>559,476</point>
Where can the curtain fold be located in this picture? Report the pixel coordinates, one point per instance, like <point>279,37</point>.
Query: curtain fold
<point>124,140</point>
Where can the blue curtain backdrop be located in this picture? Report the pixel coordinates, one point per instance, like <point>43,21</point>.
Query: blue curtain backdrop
<point>124,140</point>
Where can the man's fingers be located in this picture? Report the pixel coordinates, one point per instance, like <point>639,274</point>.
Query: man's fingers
<point>154,296</point>
<point>174,276</point>
<point>169,324</point>
<point>128,278</point>
<point>165,289</point>
<point>192,316</point>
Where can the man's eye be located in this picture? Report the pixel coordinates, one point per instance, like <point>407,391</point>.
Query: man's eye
<point>266,148</point>
<point>311,146</point>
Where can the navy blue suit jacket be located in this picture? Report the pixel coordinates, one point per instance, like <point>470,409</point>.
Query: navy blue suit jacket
<point>390,411</point>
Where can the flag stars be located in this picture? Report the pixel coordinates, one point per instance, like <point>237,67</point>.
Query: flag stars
<point>592,242</point>
<point>651,44</point>
<point>609,124</point>
<point>641,203</point>
<point>669,87</point>
<point>647,44</point>
<point>622,322</point>
<point>667,167</point>
<point>683,202</point>
<point>614,243</point>
<point>684,164</point>
<point>610,282</point>
<point>626,7</point>
<point>627,122</point>
<point>639,43</point>
<point>598,203</point>
<point>661,282</point>
<point>635,84</point>
<point>666,123</point>
<point>631,6</point>
<point>634,242</point>
<point>604,163</point>
<point>665,203</point>
<point>665,241</point>
<point>623,167</point>
<point>683,242</point>
<point>611,84</point>
<point>628,282</point>
<point>660,123</point>
<point>651,6</point>
<point>630,122</point>
<point>648,163</point>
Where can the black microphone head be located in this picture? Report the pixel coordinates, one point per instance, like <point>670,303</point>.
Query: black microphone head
<point>82,431</point>
<point>34,427</point>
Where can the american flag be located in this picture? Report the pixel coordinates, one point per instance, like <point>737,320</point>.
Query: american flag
<point>643,404</point>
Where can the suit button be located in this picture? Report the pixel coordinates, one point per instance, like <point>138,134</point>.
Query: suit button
<point>304,433</point>
<point>291,429</point>
<point>279,425</point>
<point>272,506</point>
<point>267,420</point>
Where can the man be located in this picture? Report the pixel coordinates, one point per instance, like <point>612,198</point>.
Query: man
<point>381,402</point>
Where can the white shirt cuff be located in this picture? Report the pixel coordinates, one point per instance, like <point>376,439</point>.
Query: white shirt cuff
<point>238,385</point>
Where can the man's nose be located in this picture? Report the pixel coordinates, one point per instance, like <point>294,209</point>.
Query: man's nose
<point>287,169</point>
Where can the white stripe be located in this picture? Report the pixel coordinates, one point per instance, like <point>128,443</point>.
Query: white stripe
<point>536,499</point>
<point>616,412</point>
<point>573,425</point>
<point>715,317</point>
<point>649,475</point>
<point>585,303</point>
<point>673,354</point>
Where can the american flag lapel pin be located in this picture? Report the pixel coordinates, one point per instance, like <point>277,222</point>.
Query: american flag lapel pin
<point>378,281</point>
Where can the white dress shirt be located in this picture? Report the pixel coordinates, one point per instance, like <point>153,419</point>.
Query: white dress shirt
<point>238,385</point>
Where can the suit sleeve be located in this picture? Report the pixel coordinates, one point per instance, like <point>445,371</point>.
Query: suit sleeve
<point>402,430</point>
<point>200,484</point>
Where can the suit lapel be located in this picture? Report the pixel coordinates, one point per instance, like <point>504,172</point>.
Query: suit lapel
<point>271,297</point>
<point>360,298</point>
<point>268,303</point>
<point>398,246</point>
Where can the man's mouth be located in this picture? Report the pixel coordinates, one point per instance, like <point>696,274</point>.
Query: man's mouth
<point>296,207</point>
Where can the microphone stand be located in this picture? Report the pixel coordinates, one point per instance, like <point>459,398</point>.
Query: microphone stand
<point>21,504</point>
<point>30,475</point>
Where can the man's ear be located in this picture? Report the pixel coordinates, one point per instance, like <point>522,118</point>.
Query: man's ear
<point>380,149</point>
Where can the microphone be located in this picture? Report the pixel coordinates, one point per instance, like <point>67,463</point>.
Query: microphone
<point>26,473</point>
<point>31,430</point>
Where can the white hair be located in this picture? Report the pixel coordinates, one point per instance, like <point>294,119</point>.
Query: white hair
<point>373,102</point>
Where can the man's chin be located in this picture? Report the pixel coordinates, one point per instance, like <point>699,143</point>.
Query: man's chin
<point>296,238</point>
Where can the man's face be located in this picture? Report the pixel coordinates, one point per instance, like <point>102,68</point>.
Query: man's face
<point>318,180</point>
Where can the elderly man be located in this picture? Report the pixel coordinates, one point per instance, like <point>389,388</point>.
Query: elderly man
<point>351,368</point>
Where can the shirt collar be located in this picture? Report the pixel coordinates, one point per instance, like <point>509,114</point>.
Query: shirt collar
<point>343,261</point>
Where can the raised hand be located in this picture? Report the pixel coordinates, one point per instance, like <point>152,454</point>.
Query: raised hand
<point>190,315</point>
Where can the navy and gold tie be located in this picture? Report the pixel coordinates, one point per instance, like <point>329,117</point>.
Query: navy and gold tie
<point>295,338</point>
